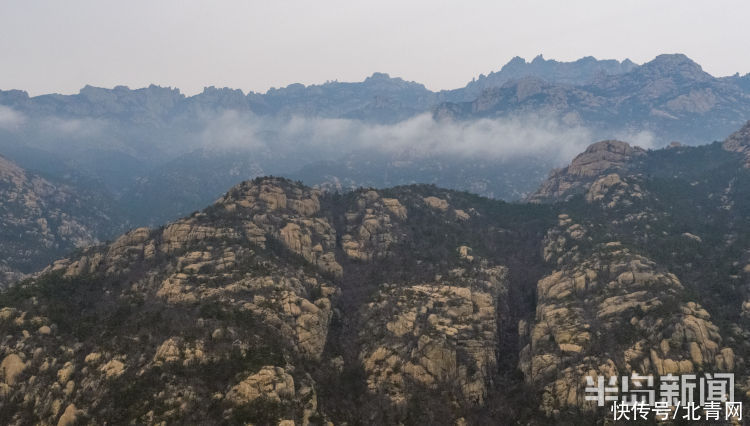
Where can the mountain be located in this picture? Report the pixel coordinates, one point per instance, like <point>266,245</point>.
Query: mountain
<point>410,305</point>
<point>165,154</point>
<point>652,267</point>
<point>378,98</point>
<point>604,156</point>
<point>42,220</point>
<point>156,106</point>
<point>578,72</point>
<point>276,303</point>
<point>605,159</point>
<point>670,96</point>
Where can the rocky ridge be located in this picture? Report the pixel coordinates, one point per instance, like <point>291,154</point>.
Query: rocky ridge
<point>226,313</point>
<point>670,96</point>
<point>246,311</point>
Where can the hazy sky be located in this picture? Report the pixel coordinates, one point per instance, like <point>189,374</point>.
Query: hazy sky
<point>59,46</point>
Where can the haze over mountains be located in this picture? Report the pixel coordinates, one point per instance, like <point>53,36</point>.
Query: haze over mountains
<point>158,154</point>
<point>266,300</point>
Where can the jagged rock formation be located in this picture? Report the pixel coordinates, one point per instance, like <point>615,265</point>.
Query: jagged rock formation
<point>369,226</point>
<point>289,216</point>
<point>625,295</point>
<point>578,72</point>
<point>670,96</point>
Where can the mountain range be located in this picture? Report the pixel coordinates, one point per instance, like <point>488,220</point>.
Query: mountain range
<point>670,96</point>
<point>283,304</point>
<point>155,154</point>
<point>497,136</point>
<point>455,257</point>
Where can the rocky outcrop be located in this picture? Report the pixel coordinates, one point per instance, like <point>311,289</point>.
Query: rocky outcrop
<point>369,226</point>
<point>601,156</point>
<point>611,312</point>
<point>598,159</point>
<point>69,416</point>
<point>440,335</point>
<point>436,203</point>
<point>175,350</point>
<point>270,382</point>
<point>288,213</point>
<point>611,191</point>
<point>42,220</point>
<point>11,367</point>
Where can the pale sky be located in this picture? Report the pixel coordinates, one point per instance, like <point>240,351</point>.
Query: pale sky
<point>59,46</point>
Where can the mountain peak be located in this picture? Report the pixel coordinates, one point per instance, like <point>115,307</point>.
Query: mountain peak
<point>272,193</point>
<point>597,160</point>
<point>516,60</point>
<point>99,94</point>
<point>579,72</point>
<point>676,64</point>
<point>602,156</point>
<point>613,146</point>
<point>379,76</point>
<point>674,58</point>
<point>214,89</point>
<point>539,59</point>
<point>259,182</point>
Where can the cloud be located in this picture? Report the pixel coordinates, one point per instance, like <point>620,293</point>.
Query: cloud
<point>499,139</point>
<point>231,128</point>
<point>292,142</point>
<point>10,119</point>
<point>81,128</point>
<point>644,139</point>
